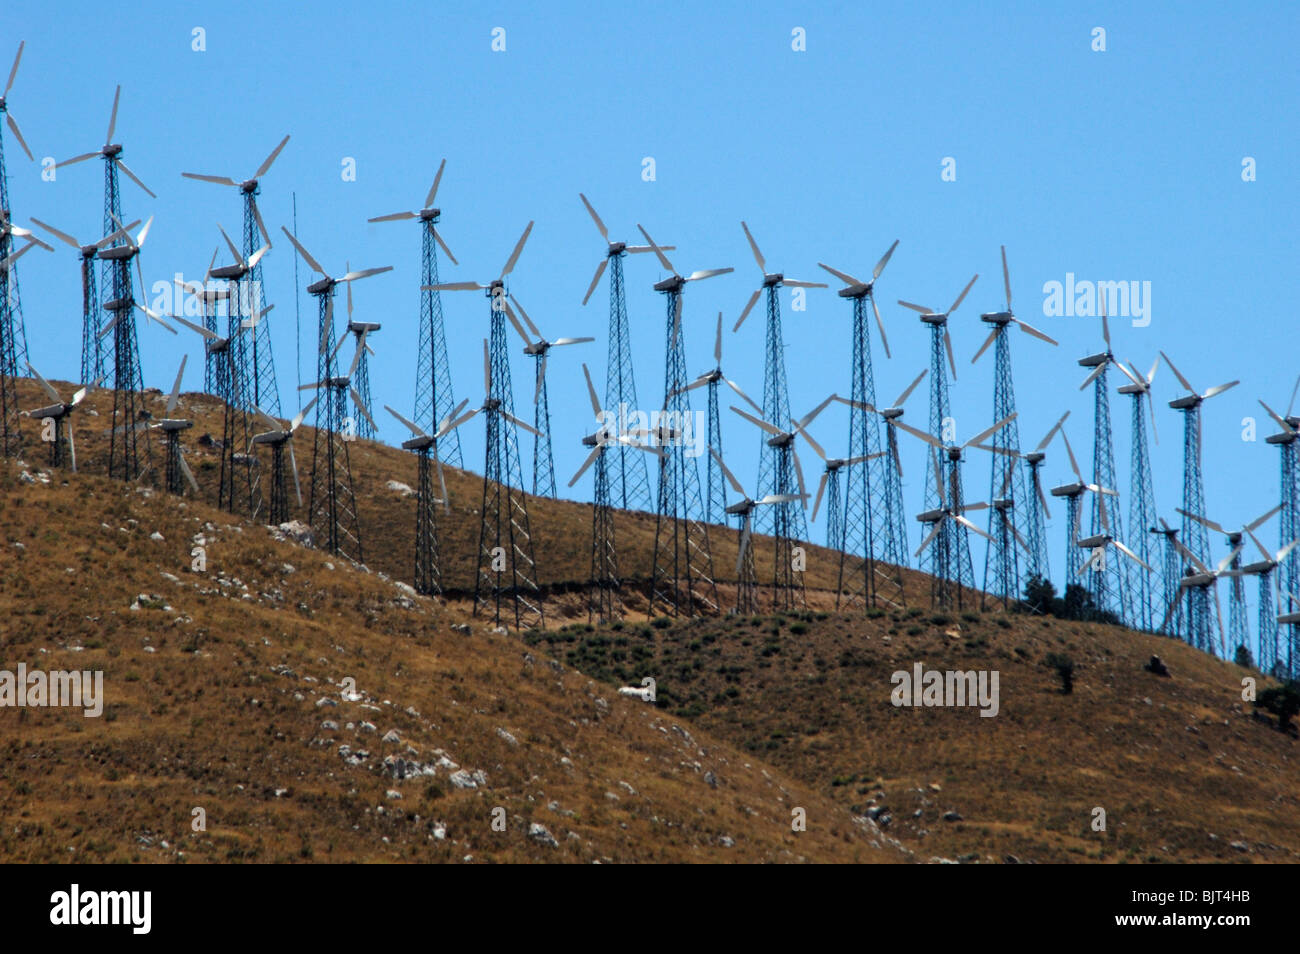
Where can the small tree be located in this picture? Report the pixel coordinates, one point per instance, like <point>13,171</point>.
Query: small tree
<point>1040,595</point>
<point>1283,702</point>
<point>1064,667</point>
<point>1242,658</point>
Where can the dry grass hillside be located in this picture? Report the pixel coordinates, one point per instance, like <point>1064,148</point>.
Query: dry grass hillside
<point>226,691</point>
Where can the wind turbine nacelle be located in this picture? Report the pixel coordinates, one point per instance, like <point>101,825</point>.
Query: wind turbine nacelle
<point>780,440</point>
<point>1132,389</point>
<point>171,424</point>
<point>892,413</point>
<point>1263,566</point>
<point>860,290</point>
<point>616,248</point>
<point>931,516</point>
<point>118,304</point>
<point>248,187</point>
<point>56,411</point>
<point>536,348</point>
<point>1283,438</point>
<point>219,346</point>
<point>417,443</point>
<point>931,318</point>
<point>339,383</point>
<point>1198,579</point>
<point>233,273</point>
<point>116,253</point>
<point>742,508</point>
<point>1002,503</point>
<point>592,440</point>
<point>1186,403</point>
<point>670,284</point>
<point>997,317</point>
<point>248,460</point>
<point>111,151</point>
<point>1095,359</point>
<point>322,287</point>
<point>430,215</point>
<point>1067,490</point>
<point>357,327</point>
<point>1035,457</point>
<point>1091,543</point>
<point>835,464</point>
<point>771,281</point>
<point>1289,618</point>
<point>271,437</point>
<point>954,454</point>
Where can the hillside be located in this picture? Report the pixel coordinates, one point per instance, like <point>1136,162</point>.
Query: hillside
<point>226,691</point>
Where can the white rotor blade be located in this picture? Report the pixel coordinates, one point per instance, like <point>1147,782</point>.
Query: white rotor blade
<point>514,256</point>
<point>758,256</point>
<point>600,270</point>
<point>604,232</point>
<point>744,312</point>
<point>306,256</point>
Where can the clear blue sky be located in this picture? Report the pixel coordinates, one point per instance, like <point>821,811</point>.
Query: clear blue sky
<point>1123,164</point>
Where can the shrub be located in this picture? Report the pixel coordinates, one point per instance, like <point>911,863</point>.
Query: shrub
<point>1064,667</point>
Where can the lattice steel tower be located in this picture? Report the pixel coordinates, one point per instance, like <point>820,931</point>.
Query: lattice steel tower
<point>1288,571</point>
<point>626,471</point>
<point>940,421</point>
<point>428,575</point>
<point>775,476</point>
<point>1002,577</point>
<point>433,390</point>
<point>13,332</point>
<point>1109,578</point>
<point>507,569</point>
<point>1144,588</point>
<point>332,505</point>
<point>682,583</point>
<point>867,536</point>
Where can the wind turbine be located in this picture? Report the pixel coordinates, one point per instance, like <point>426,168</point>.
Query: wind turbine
<point>1144,587</point>
<point>1197,581</point>
<point>604,604</point>
<point>543,461</point>
<point>715,494</point>
<point>1269,656</point>
<point>746,577</point>
<point>278,438</point>
<point>58,413</point>
<point>629,483</point>
<point>867,537</point>
<point>433,390</point>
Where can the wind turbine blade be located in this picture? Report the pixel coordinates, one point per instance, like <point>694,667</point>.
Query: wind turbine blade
<point>487,371</point>
<point>963,294</point>
<point>516,325</point>
<point>1131,555</point>
<point>893,450</point>
<point>13,127</point>
<point>261,252</point>
<point>13,71</point>
<point>1281,422</point>
<point>1096,372</point>
<point>982,435</point>
<point>219,180</point>
<point>1042,497</point>
<point>45,385</point>
<point>717,342</point>
<point>798,472</point>
<point>881,325</point>
<point>917,432</point>
<point>261,226</point>
<point>189,475</point>
<point>356,399</point>
<point>970,526</point>
<point>659,253</point>
<point>703,273</point>
<point>947,343</point>
<point>842,276</point>
<point>984,347</point>
<point>514,256</point>
<point>930,536</point>
<point>821,487</point>
<point>409,426</point>
<point>726,472</point>
<point>600,270</point>
<point>758,256</point>
<point>81,158</point>
<point>454,286</point>
<point>528,321</point>
<point>175,394</point>
<point>760,423</point>
<point>293,466</point>
<point>306,256</point>
<point>72,446</point>
<point>1052,433</point>
<point>735,387</point>
<point>1030,329</point>
<point>112,119</point>
<point>234,252</point>
<point>1178,374</point>
<point>884,260</point>
<point>134,178</point>
<point>518,423</point>
<point>808,418</point>
<point>265,167</point>
<point>744,313</point>
<point>744,543</point>
<point>1219,389</point>
<point>1259,521</point>
<point>541,378</point>
<point>64,236</point>
<point>365,273</point>
<point>813,444</point>
<point>591,459</point>
<point>394,217</point>
<point>1203,521</point>
<point>1006,276</point>
<point>898,402</point>
<point>437,236</point>
<point>591,392</point>
<point>1129,374</point>
<point>600,226</point>
<point>1074,464</point>
<point>10,259</point>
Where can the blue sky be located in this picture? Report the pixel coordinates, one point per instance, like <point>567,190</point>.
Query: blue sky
<point>1116,165</point>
